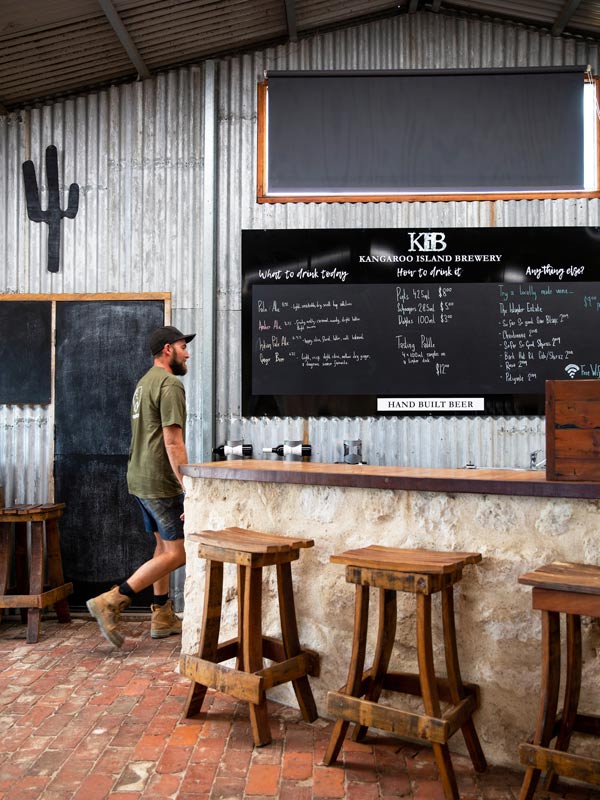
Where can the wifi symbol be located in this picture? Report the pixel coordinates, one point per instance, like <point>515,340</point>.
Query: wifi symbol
<point>571,370</point>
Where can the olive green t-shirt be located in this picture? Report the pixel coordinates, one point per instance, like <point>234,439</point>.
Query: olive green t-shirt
<point>158,401</point>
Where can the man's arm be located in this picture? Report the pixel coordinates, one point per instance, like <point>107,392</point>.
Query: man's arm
<point>176,450</point>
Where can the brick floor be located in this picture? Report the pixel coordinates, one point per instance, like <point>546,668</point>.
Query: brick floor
<point>81,720</point>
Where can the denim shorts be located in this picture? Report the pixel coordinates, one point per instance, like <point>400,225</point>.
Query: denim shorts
<point>162,515</point>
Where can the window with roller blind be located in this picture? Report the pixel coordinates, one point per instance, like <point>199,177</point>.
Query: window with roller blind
<point>441,134</point>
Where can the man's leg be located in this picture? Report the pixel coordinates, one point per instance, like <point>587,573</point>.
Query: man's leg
<point>162,518</point>
<point>159,567</point>
<point>107,607</point>
<point>164,621</point>
<point>161,586</point>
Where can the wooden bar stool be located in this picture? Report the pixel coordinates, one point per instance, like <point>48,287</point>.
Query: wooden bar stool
<point>573,590</point>
<point>423,573</point>
<point>249,681</point>
<point>32,592</point>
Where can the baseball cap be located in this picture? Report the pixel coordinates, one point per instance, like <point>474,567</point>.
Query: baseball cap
<point>166,335</point>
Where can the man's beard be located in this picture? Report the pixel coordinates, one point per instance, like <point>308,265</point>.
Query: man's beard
<point>177,367</point>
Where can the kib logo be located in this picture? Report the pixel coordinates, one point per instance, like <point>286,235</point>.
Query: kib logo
<point>427,241</point>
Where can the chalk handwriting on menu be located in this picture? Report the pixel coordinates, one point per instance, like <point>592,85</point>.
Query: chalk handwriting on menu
<point>438,336</point>
<point>303,274</point>
<point>430,307</point>
<point>532,328</point>
<point>320,333</point>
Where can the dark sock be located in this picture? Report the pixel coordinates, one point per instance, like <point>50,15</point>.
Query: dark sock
<point>126,589</point>
<point>160,599</point>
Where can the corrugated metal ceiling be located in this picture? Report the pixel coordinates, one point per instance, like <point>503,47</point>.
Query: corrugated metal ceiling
<point>51,48</point>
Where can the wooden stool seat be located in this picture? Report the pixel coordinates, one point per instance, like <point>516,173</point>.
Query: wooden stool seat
<point>32,592</point>
<point>249,680</point>
<point>572,589</point>
<point>423,573</point>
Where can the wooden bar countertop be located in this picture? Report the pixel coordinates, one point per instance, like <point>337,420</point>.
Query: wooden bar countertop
<point>524,483</point>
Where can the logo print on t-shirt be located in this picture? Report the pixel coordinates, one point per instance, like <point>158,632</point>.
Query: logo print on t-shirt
<point>135,405</point>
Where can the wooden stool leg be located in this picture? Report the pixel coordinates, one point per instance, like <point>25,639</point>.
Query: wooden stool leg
<point>430,694</point>
<point>550,681</point>
<point>252,651</point>
<point>36,579</point>
<point>5,531</point>
<point>55,569</point>
<point>386,636</point>
<point>457,692</point>
<point>241,591</point>
<point>21,564</point>
<point>355,673</point>
<point>239,662</point>
<point>291,642</point>
<point>572,691</point>
<point>209,640</point>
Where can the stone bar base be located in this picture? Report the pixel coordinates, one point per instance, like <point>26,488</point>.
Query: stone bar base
<point>498,635</point>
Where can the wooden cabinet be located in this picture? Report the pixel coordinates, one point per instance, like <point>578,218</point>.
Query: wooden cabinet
<point>573,430</point>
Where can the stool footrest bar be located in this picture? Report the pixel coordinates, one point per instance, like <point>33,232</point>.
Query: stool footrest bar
<point>387,718</point>
<point>242,685</point>
<point>409,683</point>
<point>284,671</point>
<point>36,600</point>
<point>581,768</point>
<point>227,650</point>
<point>272,649</point>
<point>587,723</point>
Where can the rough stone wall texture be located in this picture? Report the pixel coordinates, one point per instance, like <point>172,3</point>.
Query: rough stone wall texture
<point>498,633</point>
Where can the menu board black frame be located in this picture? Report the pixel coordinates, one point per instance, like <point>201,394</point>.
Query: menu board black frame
<point>368,322</point>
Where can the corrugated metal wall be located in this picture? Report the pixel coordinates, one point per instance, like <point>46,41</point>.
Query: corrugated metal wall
<point>137,153</point>
<point>408,42</point>
<point>167,172</point>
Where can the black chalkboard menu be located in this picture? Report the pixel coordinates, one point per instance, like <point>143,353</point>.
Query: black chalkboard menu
<point>416,321</point>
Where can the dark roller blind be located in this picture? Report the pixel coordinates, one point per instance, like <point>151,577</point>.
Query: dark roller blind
<point>441,131</point>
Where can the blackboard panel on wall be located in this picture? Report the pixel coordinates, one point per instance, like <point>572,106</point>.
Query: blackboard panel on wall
<point>101,352</point>
<point>102,538</point>
<point>25,352</point>
<point>361,322</point>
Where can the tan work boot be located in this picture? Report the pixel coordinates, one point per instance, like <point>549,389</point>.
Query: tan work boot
<point>106,610</point>
<point>164,622</point>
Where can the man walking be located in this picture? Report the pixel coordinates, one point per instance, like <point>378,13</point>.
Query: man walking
<point>158,415</point>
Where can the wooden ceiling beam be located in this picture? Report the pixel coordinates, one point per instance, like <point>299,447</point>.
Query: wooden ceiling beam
<point>290,14</point>
<point>123,36</point>
<point>565,14</point>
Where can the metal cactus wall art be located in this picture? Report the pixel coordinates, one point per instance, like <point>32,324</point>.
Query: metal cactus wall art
<point>53,215</point>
